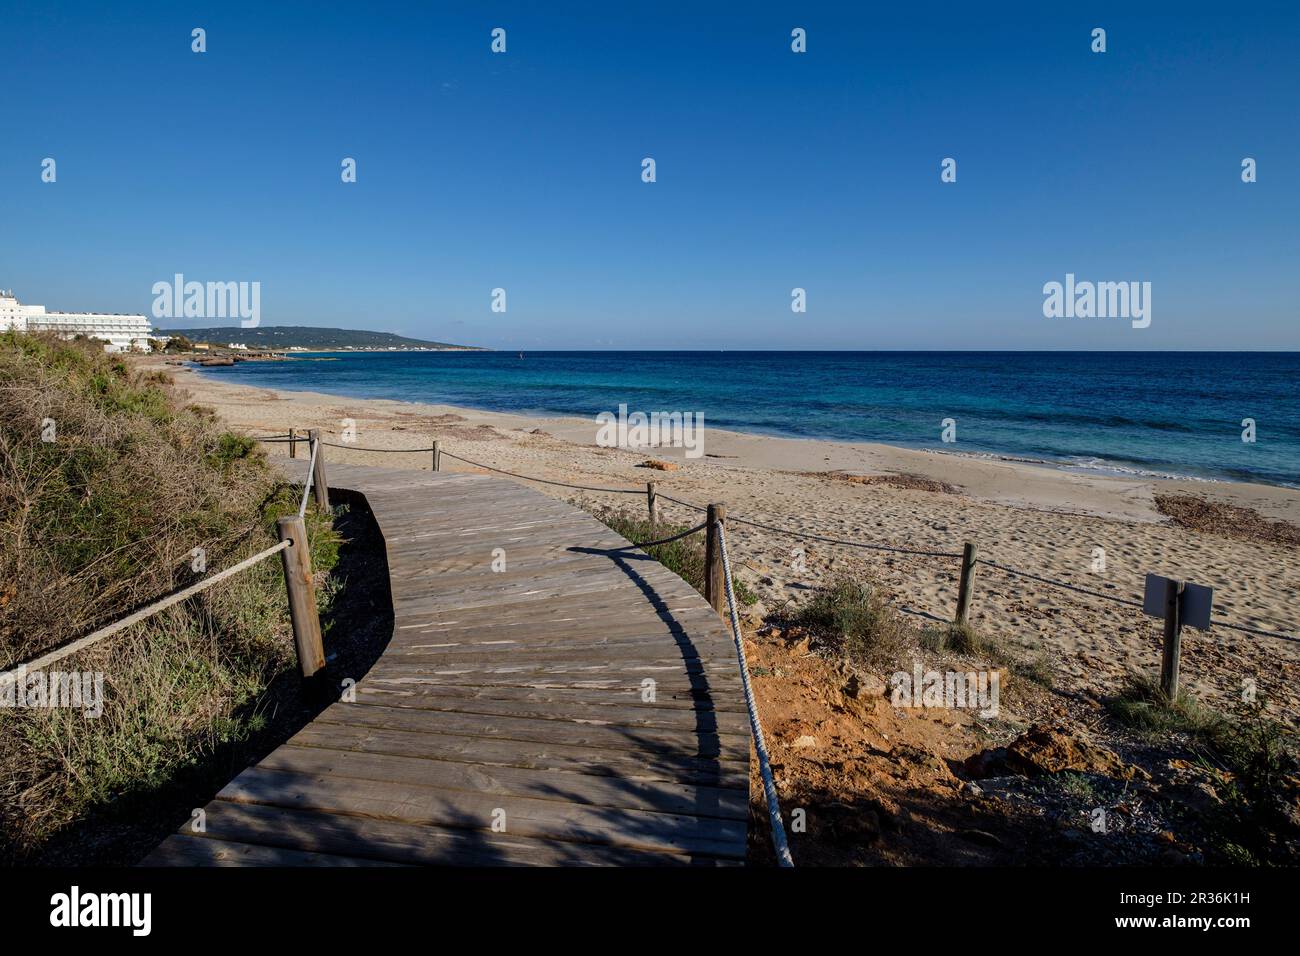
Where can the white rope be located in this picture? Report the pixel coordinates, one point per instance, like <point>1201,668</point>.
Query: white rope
<point>56,655</point>
<point>307,482</point>
<point>764,763</point>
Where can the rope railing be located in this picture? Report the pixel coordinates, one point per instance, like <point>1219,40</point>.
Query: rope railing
<point>45,660</point>
<point>479,464</point>
<point>364,448</point>
<point>548,481</point>
<point>755,724</point>
<point>851,544</point>
<point>307,627</point>
<point>678,501</point>
<point>135,617</point>
<point>998,565</point>
<point>1059,584</point>
<point>677,537</point>
<point>813,536</point>
<point>1254,631</point>
<point>277,436</point>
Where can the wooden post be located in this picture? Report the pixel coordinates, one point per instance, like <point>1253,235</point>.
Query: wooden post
<point>652,503</point>
<point>1173,639</point>
<point>967,585</point>
<point>293,443</point>
<point>437,457</point>
<point>302,595</point>
<point>319,488</point>
<point>715,579</point>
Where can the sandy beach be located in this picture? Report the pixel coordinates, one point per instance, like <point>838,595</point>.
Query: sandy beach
<point>1042,520</point>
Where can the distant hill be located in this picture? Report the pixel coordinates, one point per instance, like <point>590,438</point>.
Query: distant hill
<point>307,337</point>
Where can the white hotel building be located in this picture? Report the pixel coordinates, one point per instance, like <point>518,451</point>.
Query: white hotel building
<point>121,332</point>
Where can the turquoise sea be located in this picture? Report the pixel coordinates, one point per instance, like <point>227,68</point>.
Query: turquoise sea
<point>1168,413</point>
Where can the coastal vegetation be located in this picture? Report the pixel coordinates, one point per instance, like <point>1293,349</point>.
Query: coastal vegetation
<point>115,491</point>
<point>685,557</point>
<point>1249,759</point>
<point>855,616</point>
<point>175,343</point>
<point>1178,781</point>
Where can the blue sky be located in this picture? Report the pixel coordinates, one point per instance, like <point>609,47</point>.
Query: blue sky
<point>775,170</point>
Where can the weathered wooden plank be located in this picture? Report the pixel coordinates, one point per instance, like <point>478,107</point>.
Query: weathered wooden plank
<point>353,837</point>
<point>486,639</point>
<point>193,849</point>
<point>612,704</point>
<point>502,782</point>
<point>523,816</point>
<point>506,648</point>
<point>537,704</point>
<point>531,755</point>
<point>552,729</point>
<point>547,619</point>
<point>672,685</point>
<point>517,691</point>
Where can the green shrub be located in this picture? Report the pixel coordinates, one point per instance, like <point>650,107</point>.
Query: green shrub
<point>1251,757</point>
<point>854,614</point>
<point>684,557</point>
<point>960,639</point>
<point>1258,751</point>
<point>1143,705</point>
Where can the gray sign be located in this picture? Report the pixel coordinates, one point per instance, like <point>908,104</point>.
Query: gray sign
<point>1196,603</point>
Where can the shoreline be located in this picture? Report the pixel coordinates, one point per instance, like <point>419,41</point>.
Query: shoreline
<point>1041,520</point>
<point>1026,477</point>
<point>1083,464</point>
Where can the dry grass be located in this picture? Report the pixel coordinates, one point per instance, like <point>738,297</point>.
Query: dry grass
<point>105,515</point>
<point>855,617</point>
<point>100,515</point>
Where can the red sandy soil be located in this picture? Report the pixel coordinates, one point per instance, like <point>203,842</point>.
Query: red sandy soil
<point>896,786</point>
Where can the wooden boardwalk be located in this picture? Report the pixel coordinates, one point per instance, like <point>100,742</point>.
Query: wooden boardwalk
<point>507,720</point>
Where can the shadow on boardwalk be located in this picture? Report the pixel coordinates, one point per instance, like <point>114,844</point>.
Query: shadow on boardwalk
<point>511,720</point>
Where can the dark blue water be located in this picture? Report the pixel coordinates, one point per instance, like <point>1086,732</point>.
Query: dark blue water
<point>1166,413</point>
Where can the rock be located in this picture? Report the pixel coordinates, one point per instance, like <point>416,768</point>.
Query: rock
<point>659,465</point>
<point>923,757</point>
<point>982,837</point>
<point>887,819</point>
<point>859,687</point>
<point>806,741</point>
<point>850,824</point>
<point>1041,751</point>
<point>1199,797</point>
